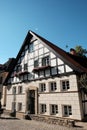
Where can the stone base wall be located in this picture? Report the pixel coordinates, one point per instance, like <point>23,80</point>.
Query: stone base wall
<point>47,119</point>
<point>52,120</point>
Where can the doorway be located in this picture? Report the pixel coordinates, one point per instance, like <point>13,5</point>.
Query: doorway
<point>31,101</point>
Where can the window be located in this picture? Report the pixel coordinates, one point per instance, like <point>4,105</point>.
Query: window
<point>31,47</point>
<point>36,63</point>
<point>20,89</point>
<point>67,110</point>
<point>42,87</point>
<point>54,109</point>
<point>19,106</point>
<point>53,86</point>
<point>45,61</point>
<point>14,90</point>
<point>25,67</point>
<point>19,68</point>
<point>65,85</point>
<point>43,108</point>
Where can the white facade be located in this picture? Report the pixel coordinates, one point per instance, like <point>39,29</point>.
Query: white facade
<point>41,80</point>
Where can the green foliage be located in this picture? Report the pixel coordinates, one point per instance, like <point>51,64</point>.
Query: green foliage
<point>81,51</point>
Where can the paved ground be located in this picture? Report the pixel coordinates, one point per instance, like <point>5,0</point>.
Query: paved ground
<point>7,123</point>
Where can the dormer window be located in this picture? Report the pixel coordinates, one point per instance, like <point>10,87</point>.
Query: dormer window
<point>31,47</point>
<point>45,61</point>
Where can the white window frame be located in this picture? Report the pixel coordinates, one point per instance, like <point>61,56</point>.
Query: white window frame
<point>65,85</point>
<point>46,61</point>
<point>42,87</point>
<point>53,86</point>
<point>67,110</point>
<point>20,89</point>
<point>53,109</point>
<point>43,108</point>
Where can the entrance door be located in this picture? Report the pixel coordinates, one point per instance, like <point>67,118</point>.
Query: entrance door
<point>31,102</point>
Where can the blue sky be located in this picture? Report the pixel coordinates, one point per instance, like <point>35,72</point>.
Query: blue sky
<point>63,22</point>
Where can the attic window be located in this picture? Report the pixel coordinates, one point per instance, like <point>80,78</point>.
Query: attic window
<point>25,66</point>
<point>45,61</point>
<point>31,47</point>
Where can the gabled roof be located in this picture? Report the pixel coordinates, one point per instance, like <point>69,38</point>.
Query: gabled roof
<point>75,62</point>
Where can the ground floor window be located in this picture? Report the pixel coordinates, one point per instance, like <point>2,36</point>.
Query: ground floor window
<point>43,108</point>
<point>42,87</point>
<point>13,106</point>
<point>67,110</point>
<point>65,85</point>
<point>53,109</point>
<point>53,86</point>
<point>19,106</point>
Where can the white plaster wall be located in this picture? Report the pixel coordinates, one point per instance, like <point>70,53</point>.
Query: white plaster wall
<point>40,45</point>
<point>36,42</point>
<point>45,50</point>
<point>62,99</point>
<point>9,102</point>
<point>68,69</point>
<point>36,53</point>
<point>53,62</point>
<point>41,51</point>
<point>52,55</point>
<point>60,62</point>
<point>58,97</point>
<point>61,69</point>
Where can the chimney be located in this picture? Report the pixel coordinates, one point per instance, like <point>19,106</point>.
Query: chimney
<point>72,51</point>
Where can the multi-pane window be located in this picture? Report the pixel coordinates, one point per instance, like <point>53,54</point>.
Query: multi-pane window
<point>67,110</point>
<point>42,87</point>
<point>65,85</point>
<point>36,63</point>
<point>54,109</point>
<point>14,90</point>
<point>45,61</point>
<point>20,89</point>
<point>25,67</point>
<point>53,86</point>
<point>19,106</point>
<point>31,47</point>
<point>43,108</point>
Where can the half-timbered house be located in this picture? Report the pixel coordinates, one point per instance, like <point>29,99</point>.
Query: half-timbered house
<point>44,80</point>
